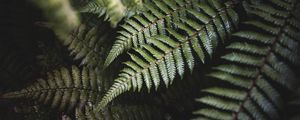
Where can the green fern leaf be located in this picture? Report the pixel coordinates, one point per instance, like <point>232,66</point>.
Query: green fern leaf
<point>159,54</point>
<point>252,74</point>
<point>139,28</point>
<point>149,23</point>
<point>113,10</point>
<point>88,42</point>
<point>63,89</point>
<point>95,7</point>
<point>217,114</point>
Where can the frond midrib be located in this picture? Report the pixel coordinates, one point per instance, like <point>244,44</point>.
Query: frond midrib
<point>129,39</point>
<point>264,62</point>
<point>81,40</point>
<point>183,7</point>
<point>188,39</point>
<point>157,61</point>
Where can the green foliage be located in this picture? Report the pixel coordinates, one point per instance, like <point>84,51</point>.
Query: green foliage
<point>63,88</point>
<point>94,7</point>
<point>166,56</point>
<point>114,10</point>
<point>89,41</point>
<point>255,64</point>
<point>241,56</point>
<point>149,23</point>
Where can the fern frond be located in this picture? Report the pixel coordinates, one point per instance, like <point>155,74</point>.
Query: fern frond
<point>150,23</point>
<point>63,88</point>
<point>136,112</point>
<point>88,42</point>
<point>115,10</point>
<point>252,75</point>
<point>140,27</point>
<point>167,55</point>
<point>95,7</point>
<point>86,113</point>
<point>112,12</point>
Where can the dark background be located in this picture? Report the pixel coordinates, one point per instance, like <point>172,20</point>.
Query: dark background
<point>19,35</point>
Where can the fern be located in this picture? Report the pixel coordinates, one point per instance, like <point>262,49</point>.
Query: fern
<point>88,42</point>
<point>86,113</point>
<point>140,27</point>
<point>95,7</point>
<point>114,10</point>
<point>167,55</point>
<point>252,63</point>
<point>149,23</point>
<point>137,112</point>
<point>257,62</point>
<point>63,89</point>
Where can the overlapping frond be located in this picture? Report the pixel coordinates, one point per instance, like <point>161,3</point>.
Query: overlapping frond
<point>63,88</point>
<point>113,10</point>
<point>137,112</point>
<point>94,7</point>
<point>89,41</point>
<point>253,67</point>
<point>158,16</point>
<point>165,56</point>
<point>259,60</point>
